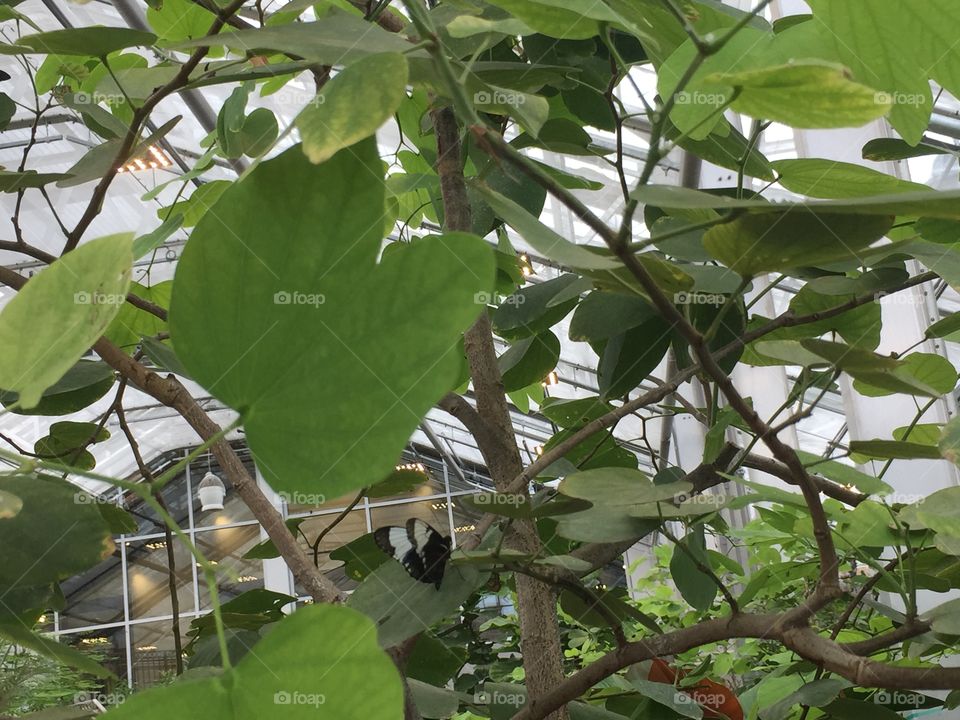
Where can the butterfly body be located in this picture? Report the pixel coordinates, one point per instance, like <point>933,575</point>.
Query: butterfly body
<point>421,550</point>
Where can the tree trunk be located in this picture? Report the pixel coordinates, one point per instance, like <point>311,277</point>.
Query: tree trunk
<point>536,601</point>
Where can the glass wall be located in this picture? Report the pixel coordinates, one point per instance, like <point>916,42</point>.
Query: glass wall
<point>123,609</point>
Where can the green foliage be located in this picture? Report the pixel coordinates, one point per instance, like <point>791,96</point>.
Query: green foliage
<point>332,345</point>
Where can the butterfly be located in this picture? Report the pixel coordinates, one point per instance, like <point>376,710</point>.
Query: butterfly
<point>421,550</point>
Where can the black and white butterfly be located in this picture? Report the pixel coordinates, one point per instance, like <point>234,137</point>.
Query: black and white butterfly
<point>421,550</point>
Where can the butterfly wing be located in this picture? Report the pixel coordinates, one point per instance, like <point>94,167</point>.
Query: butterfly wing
<point>433,548</point>
<point>396,543</point>
<point>421,550</point>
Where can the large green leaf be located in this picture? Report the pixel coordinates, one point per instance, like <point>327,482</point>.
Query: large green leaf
<point>938,204</point>
<point>11,182</point>
<point>60,313</point>
<point>896,47</point>
<point>831,179</point>
<point>803,95</point>
<point>529,360</point>
<point>353,105</point>
<point>64,654</point>
<point>754,244</point>
<point>536,308</point>
<point>620,487</point>
<point>567,19</point>
<point>92,41</point>
<point>322,661</point>
<point>931,371</point>
<point>132,323</point>
<point>338,38</point>
<point>403,607</point>
<point>81,386</point>
<point>543,239</point>
<point>294,245</point>
<point>628,358</point>
<point>927,377</point>
<point>58,532</point>
<point>891,449</point>
<point>602,315</point>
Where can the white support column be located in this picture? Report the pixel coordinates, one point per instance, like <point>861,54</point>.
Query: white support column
<point>276,574</point>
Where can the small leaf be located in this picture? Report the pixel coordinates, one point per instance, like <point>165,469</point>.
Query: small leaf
<point>696,587</point>
<point>353,105</point>
<point>92,41</point>
<point>60,313</point>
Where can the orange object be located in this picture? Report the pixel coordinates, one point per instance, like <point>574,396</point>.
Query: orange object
<point>717,701</point>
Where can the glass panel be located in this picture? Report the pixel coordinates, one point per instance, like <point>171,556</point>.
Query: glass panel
<point>153,653</point>
<point>108,647</point>
<point>235,575</point>
<point>95,597</point>
<point>464,519</point>
<point>148,578</point>
<point>349,528</point>
<point>434,512</point>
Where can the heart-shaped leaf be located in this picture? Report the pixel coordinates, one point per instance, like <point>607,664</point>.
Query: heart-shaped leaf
<point>280,311</point>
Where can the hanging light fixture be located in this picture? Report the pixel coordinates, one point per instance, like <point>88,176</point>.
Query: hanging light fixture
<point>211,492</point>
